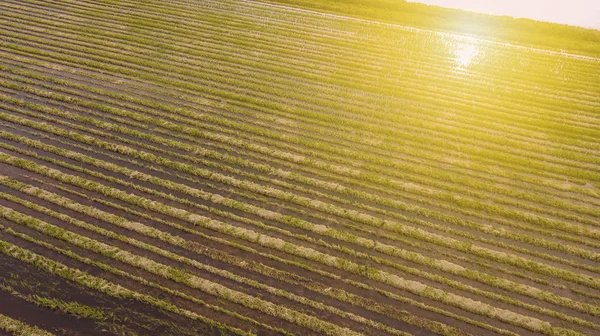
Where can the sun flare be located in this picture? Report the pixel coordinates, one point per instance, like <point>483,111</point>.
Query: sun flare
<point>465,53</point>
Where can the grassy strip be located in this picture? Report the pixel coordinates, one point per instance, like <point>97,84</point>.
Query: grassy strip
<point>248,321</point>
<point>173,273</point>
<point>522,163</point>
<point>467,204</point>
<point>104,286</point>
<point>523,238</point>
<point>525,289</point>
<point>297,280</point>
<point>128,275</point>
<point>566,170</point>
<point>447,230</point>
<point>363,270</point>
<point>73,308</point>
<point>260,212</point>
<point>279,244</point>
<point>462,202</point>
<point>436,226</point>
<point>484,228</point>
<point>173,240</point>
<point>18,328</point>
<point>99,13</point>
<point>264,200</point>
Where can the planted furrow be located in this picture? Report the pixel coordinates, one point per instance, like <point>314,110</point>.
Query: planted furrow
<point>18,328</point>
<point>350,214</point>
<point>536,199</point>
<point>279,244</point>
<point>562,226</point>
<point>155,24</point>
<point>288,167</point>
<point>148,264</point>
<point>532,163</point>
<point>177,241</point>
<point>102,285</point>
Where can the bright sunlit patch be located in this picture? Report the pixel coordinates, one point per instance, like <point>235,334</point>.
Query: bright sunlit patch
<point>465,53</point>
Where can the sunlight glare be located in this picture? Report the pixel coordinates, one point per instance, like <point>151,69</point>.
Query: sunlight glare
<point>464,54</point>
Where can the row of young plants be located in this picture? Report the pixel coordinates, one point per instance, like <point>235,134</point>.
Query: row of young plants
<point>136,20</point>
<point>255,86</point>
<point>537,200</point>
<point>11,215</point>
<point>234,18</point>
<point>102,285</point>
<point>245,234</point>
<point>177,274</point>
<point>220,255</point>
<point>268,215</point>
<point>244,320</point>
<point>128,275</point>
<point>300,203</point>
<point>447,254</point>
<point>346,24</point>
<point>253,187</point>
<point>18,328</point>
<point>380,235</point>
<point>72,308</point>
<point>164,195</point>
<point>445,266</point>
<point>215,254</point>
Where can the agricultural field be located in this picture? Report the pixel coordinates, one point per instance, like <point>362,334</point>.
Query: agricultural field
<point>236,167</point>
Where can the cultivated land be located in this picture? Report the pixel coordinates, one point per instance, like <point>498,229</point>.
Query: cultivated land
<point>237,167</point>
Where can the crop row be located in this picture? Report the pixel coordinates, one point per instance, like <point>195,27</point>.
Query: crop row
<point>228,76</point>
<point>245,234</point>
<point>291,30</point>
<point>537,199</point>
<point>29,221</point>
<point>209,65</point>
<point>195,247</point>
<point>227,150</point>
<point>216,177</point>
<point>381,235</point>
<point>18,328</point>
<point>102,285</point>
<point>218,254</point>
<point>168,271</point>
<point>412,170</point>
<point>146,137</point>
